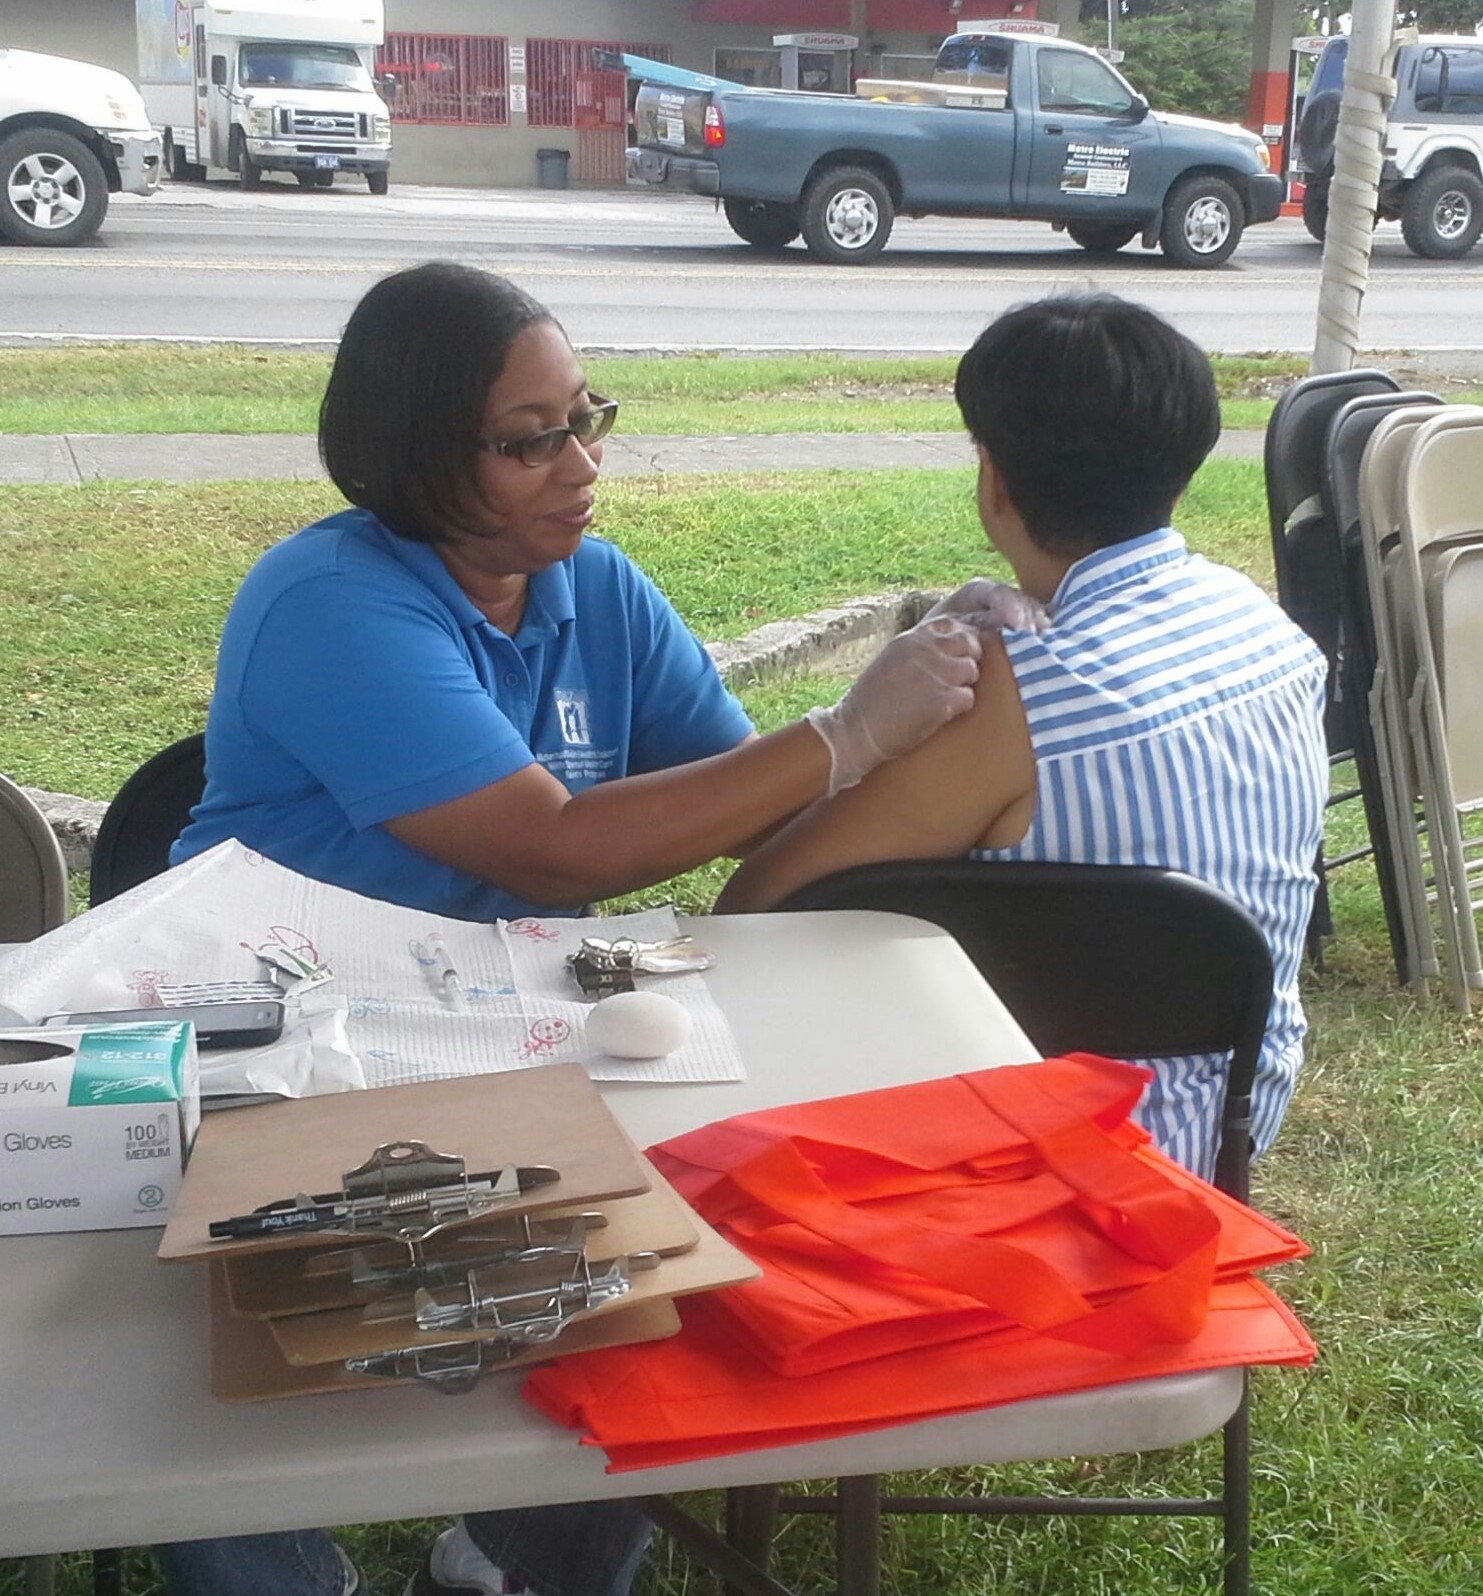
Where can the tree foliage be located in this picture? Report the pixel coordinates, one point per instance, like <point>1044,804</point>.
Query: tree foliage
<point>1184,55</point>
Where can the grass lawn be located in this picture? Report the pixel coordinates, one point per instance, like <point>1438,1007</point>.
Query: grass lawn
<point>225,388</point>
<point>112,597</point>
<point>1366,1467</point>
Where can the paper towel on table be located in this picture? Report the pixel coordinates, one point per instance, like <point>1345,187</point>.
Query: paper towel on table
<point>385,1017</point>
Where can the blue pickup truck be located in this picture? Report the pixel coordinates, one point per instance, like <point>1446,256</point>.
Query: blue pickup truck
<point>1032,127</point>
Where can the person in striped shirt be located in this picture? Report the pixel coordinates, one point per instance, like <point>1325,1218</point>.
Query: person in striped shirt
<point>1172,714</point>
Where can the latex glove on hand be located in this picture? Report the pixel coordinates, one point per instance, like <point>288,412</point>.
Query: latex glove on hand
<point>918,682</point>
<point>992,606</point>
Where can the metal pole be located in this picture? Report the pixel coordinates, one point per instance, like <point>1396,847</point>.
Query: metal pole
<point>1111,10</point>
<point>1354,191</point>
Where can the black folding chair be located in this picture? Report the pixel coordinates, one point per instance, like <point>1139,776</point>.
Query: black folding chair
<point>1304,554</point>
<point>1124,960</point>
<point>147,814</point>
<point>1349,430</point>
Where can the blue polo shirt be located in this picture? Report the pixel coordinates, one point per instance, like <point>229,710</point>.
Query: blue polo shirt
<point>357,682</point>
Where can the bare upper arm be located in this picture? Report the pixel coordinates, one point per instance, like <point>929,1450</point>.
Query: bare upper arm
<point>971,783</point>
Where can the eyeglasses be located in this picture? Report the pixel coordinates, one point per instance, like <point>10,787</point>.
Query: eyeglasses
<point>591,426</point>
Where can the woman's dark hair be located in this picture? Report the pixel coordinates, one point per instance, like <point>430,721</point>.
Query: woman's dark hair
<point>1096,413</point>
<point>401,416</point>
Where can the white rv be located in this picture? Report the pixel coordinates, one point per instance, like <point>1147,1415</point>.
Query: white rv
<point>70,134</point>
<point>270,86</point>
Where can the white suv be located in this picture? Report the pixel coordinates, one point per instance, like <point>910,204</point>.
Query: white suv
<point>1432,179</point>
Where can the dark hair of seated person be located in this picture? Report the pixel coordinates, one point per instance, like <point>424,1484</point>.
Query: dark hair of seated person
<point>404,408</point>
<point>1095,411</point>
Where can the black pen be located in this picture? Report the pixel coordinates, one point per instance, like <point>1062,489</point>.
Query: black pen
<point>473,1196</point>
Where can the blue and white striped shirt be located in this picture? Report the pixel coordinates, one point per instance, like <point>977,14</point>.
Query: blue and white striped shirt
<point>1177,719</point>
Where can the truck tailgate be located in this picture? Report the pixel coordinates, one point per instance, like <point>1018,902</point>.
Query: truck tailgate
<point>672,120</point>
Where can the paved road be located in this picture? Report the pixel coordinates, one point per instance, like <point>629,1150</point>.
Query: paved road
<point>631,268</point>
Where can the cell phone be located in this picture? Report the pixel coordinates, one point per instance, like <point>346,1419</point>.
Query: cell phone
<point>217,1024</point>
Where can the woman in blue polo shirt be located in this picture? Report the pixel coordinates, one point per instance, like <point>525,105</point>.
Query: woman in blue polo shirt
<point>450,698</point>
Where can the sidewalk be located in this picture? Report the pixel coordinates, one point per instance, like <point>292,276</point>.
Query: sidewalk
<point>71,459</point>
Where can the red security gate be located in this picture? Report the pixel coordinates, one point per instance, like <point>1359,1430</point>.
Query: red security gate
<point>568,90</point>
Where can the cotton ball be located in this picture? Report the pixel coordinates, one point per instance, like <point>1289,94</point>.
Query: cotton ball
<point>637,1025</point>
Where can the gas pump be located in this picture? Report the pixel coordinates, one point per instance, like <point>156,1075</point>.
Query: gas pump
<point>817,62</point>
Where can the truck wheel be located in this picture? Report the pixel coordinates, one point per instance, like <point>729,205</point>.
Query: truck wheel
<point>52,188</point>
<point>249,174</point>
<point>378,182</point>
<point>847,216</point>
<point>1316,204</point>
<point>1443,213</point>
<point>1100,238</point>
<point>761,224</point>
<point>1203,222</point>
<point>176,161</point>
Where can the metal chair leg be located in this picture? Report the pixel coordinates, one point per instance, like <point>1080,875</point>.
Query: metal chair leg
<point>751,1523</point>
<point>108,1573</point>
<point>859,1530</point>
<point>1236,1495</point>
<point>41,1576</point>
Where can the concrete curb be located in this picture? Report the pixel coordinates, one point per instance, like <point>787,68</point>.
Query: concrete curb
<point>838,640</point>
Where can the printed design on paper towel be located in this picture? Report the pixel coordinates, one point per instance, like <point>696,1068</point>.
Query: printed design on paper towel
<point>363,1008</point>
<point>146,988</point>
<point>532,930</point>
<point>546,1036</point>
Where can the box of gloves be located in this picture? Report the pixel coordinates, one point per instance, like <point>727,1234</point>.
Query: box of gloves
<point>95,1125</point>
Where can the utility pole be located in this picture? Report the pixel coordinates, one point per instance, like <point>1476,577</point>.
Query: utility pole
<point>1354,191</point>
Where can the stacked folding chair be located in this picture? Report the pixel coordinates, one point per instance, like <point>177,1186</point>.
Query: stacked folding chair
<point>1308,569</point>
<point>1421,531</point>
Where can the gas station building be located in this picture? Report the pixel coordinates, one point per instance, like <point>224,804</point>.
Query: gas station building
<point>483,85</point>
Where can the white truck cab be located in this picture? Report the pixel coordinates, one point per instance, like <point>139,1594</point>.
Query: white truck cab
<point>273,86</point>
<point>71,134</point>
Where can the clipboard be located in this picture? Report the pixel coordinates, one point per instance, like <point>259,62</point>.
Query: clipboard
<point>272,1285</point>
<point>546,1115</point>
<point>246,1365</point>
<point>314,1338</point>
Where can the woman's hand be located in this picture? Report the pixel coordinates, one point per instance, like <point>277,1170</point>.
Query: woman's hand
<point>992,606</point>
<point>917,683</point>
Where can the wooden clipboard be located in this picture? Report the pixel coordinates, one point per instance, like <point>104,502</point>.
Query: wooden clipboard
<point>312,1338</point>
<point>548,1114</point>
<point>270,1285</point>
<point>246,1365</point>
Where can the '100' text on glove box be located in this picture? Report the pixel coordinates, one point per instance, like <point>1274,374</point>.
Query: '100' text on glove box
<point>95,1125</point>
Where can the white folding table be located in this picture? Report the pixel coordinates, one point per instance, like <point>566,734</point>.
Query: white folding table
<point>113,1439</point>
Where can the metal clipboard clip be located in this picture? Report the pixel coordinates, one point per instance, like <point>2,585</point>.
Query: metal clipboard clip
<point>402,1264</point>
<point>526,1303</point>
<point>602,967</point>
<point>451,1368</point>
<point>403,1189</point>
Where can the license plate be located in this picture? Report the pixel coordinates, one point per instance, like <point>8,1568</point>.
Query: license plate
<point>327,163</point>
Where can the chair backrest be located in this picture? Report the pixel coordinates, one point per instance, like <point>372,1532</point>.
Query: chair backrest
<point>1349,431</point>
<point>1127,960</point>
<point>33,873</point>
<point>147,814</point>
<point>1441,486</point>
<point>1305,549</point>
<point>1294,445</point>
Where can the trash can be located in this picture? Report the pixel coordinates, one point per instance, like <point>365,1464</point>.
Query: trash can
<point>551,167</point>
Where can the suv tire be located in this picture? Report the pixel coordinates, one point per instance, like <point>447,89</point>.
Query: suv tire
<point>762,224</point>
<point>847,215</point>
<point>1203,222</point>
<point>1442,214</point>
<point>52,188</point>
<point>1100,238</point>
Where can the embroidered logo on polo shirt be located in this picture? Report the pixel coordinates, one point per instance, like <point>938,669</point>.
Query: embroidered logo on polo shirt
<point>571,715</point>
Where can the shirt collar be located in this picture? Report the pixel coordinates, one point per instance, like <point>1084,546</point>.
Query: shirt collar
<point>549,602</point>
<point>1104,570</point>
